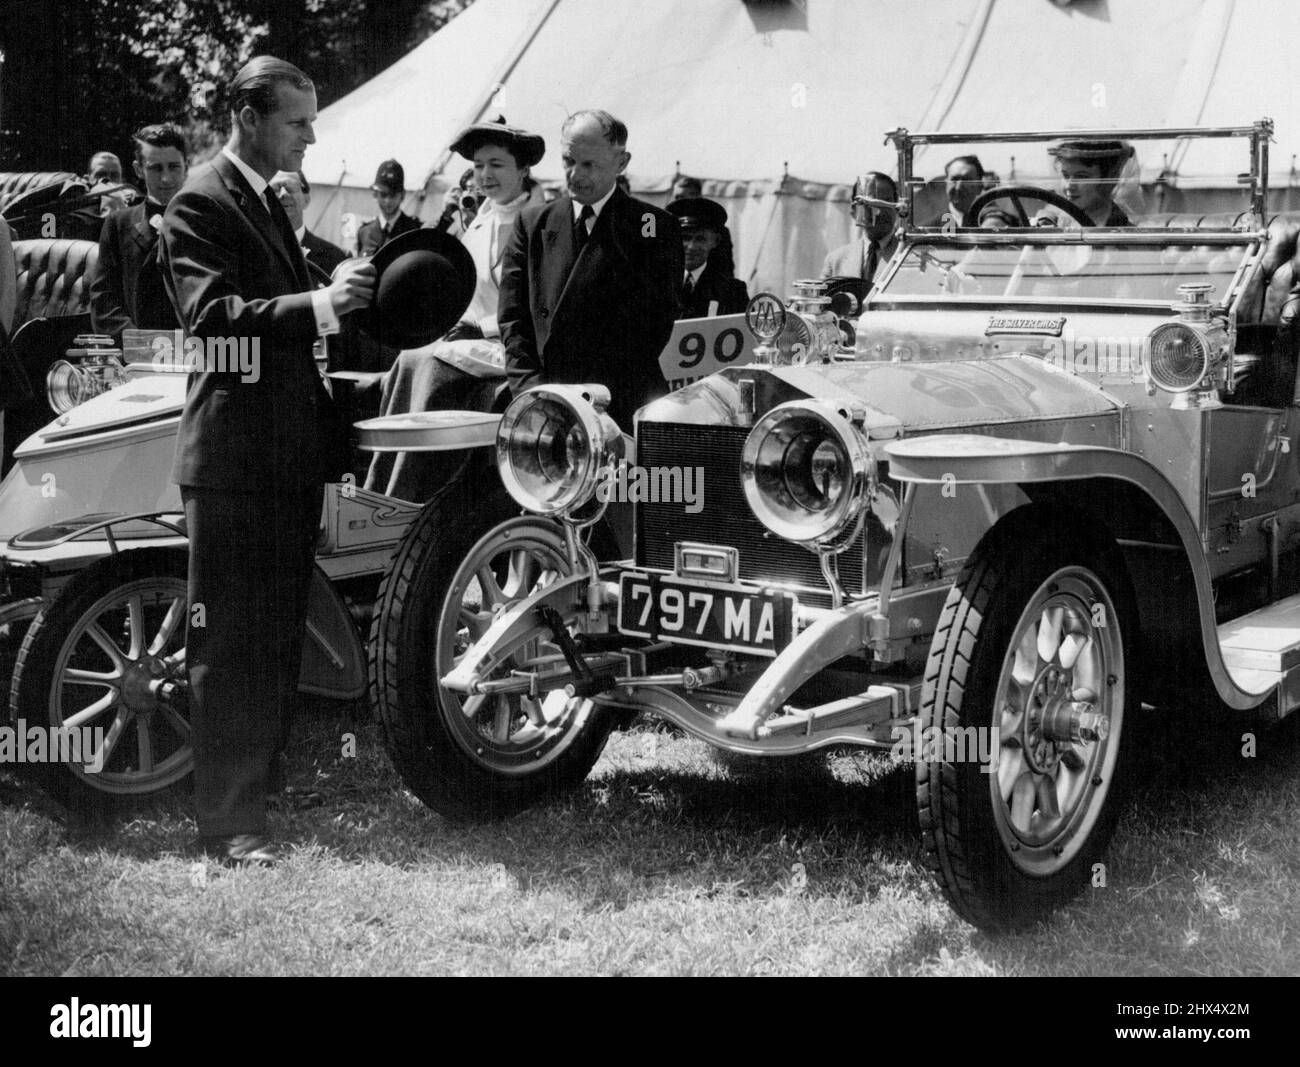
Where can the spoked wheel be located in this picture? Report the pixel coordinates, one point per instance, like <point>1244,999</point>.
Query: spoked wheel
<point>107,659</point>
<point>1032,651</point>
<point>486,755</point>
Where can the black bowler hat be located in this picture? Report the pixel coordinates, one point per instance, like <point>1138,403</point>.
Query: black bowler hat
<point>527,148</point>
<point>697,212</point>
<point>390,177</point>
<point>423,283</point>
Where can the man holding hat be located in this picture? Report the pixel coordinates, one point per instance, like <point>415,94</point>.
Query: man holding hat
<point>706,291</point>
<point>389,187</point>
<point>253,450</point>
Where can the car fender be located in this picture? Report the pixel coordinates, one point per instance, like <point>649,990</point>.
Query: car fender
<point>972,459</point>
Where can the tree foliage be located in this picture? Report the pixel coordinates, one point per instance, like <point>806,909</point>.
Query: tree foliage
<point>83,76</point>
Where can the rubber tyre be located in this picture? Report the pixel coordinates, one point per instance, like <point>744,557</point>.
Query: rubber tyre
<point>423,726</point>
<point>996,876</point>
<point>57,640</point>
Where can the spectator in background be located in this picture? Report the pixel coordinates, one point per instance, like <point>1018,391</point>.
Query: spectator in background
<point>706,291</point>
<point>723,257</point>
<point>877,237</point>
<point>963,182</point>
<point>8,279</point>
<point>294,193</point>
<point>127,290</point>
<point>104,169</point>
<point>388,188</point>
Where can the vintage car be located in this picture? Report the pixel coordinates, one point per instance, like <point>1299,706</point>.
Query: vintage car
<point>93,553</point>
<point>1055,480</point>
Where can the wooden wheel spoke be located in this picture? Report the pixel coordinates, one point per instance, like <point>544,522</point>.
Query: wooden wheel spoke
<point>92,711</point>
<point>143,744</point>
<point>101,638</point>
<point>111,738</point>
<point>77,676</point>
<point>135,627</point>
<point>167,629</point>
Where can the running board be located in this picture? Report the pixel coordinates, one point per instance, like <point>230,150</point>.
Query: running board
<point>1262,652</point>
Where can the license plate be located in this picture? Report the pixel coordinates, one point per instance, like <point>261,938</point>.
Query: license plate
<point>715,616</point>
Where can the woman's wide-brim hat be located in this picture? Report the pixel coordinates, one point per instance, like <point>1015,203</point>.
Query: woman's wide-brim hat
<point>424,281</point>
<point>1092,151</point>
<point>527,148</point>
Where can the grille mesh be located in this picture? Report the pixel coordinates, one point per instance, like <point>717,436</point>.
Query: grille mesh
<point>725,518</point>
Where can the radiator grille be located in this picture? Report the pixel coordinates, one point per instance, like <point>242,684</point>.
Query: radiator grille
<point>725,518</point>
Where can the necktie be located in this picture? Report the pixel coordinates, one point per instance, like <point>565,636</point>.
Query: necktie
<point>580,232</point>
<point>688,288</point>
<point>869,260</point>
<point>281,220</point>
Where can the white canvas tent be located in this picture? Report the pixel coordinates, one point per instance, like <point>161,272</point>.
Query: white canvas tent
<point>777,104</point>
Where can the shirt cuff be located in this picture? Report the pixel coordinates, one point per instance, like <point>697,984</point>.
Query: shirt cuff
<point>327,322</point>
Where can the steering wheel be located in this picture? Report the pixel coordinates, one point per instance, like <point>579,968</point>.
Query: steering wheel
<point>1014,193</point>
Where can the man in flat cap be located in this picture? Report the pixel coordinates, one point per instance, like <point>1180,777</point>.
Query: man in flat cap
<point>388,188</point>
<point>706,291</point>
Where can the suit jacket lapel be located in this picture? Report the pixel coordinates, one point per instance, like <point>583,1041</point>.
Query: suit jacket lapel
<point>558,253</point>
<point>258,215</point>
<point>142,233</point>
<point>601,244</point>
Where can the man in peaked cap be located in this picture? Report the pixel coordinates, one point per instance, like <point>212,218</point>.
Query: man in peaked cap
<point>706,290</point>
<point>388,188</point>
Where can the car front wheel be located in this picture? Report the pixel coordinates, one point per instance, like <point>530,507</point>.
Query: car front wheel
<point>1029,680</point>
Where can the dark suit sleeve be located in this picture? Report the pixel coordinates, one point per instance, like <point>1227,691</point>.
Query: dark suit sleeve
<point>514,316</point>
<point>737,297</point>
<point>108,311</point>
<point>201,239</point>
<point>662,264</point>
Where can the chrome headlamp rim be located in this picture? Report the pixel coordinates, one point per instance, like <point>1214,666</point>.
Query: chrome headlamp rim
<point>1203,352</point>
<point>598,441</point>
<point>790,428</point>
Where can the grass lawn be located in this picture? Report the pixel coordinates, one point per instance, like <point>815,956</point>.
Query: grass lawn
<point>669,860</point>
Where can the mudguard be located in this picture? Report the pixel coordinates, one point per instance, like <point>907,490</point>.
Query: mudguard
<point>971,459</point>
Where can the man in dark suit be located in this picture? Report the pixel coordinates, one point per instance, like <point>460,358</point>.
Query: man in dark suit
<point>589,281</point>
<point>706,290</point>
<point>255,446</point>
<point>877,238</point>
<point>389,187</point>
<point>127,290</point>
<point>294,192</point>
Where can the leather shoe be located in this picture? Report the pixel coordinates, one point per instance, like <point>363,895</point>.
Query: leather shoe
<point>242,850</point>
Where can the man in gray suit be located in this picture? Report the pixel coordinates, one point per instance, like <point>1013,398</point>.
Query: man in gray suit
<point>876,239</point>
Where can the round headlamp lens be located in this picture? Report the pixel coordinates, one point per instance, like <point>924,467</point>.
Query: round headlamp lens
<point>1177,359</point>
<point>544,453</point>
<point>64,386</point>
<point>804,472</point>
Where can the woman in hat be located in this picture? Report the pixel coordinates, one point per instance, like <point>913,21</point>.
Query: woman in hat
<point>462,371</point>
<point>1090,170</point>
<point>501,156</point>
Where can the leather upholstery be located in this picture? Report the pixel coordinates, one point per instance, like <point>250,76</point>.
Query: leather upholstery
<point>53,278</point>
<point>14,184</point>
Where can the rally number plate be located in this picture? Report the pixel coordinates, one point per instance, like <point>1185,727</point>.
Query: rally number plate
<point>713,615</point>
